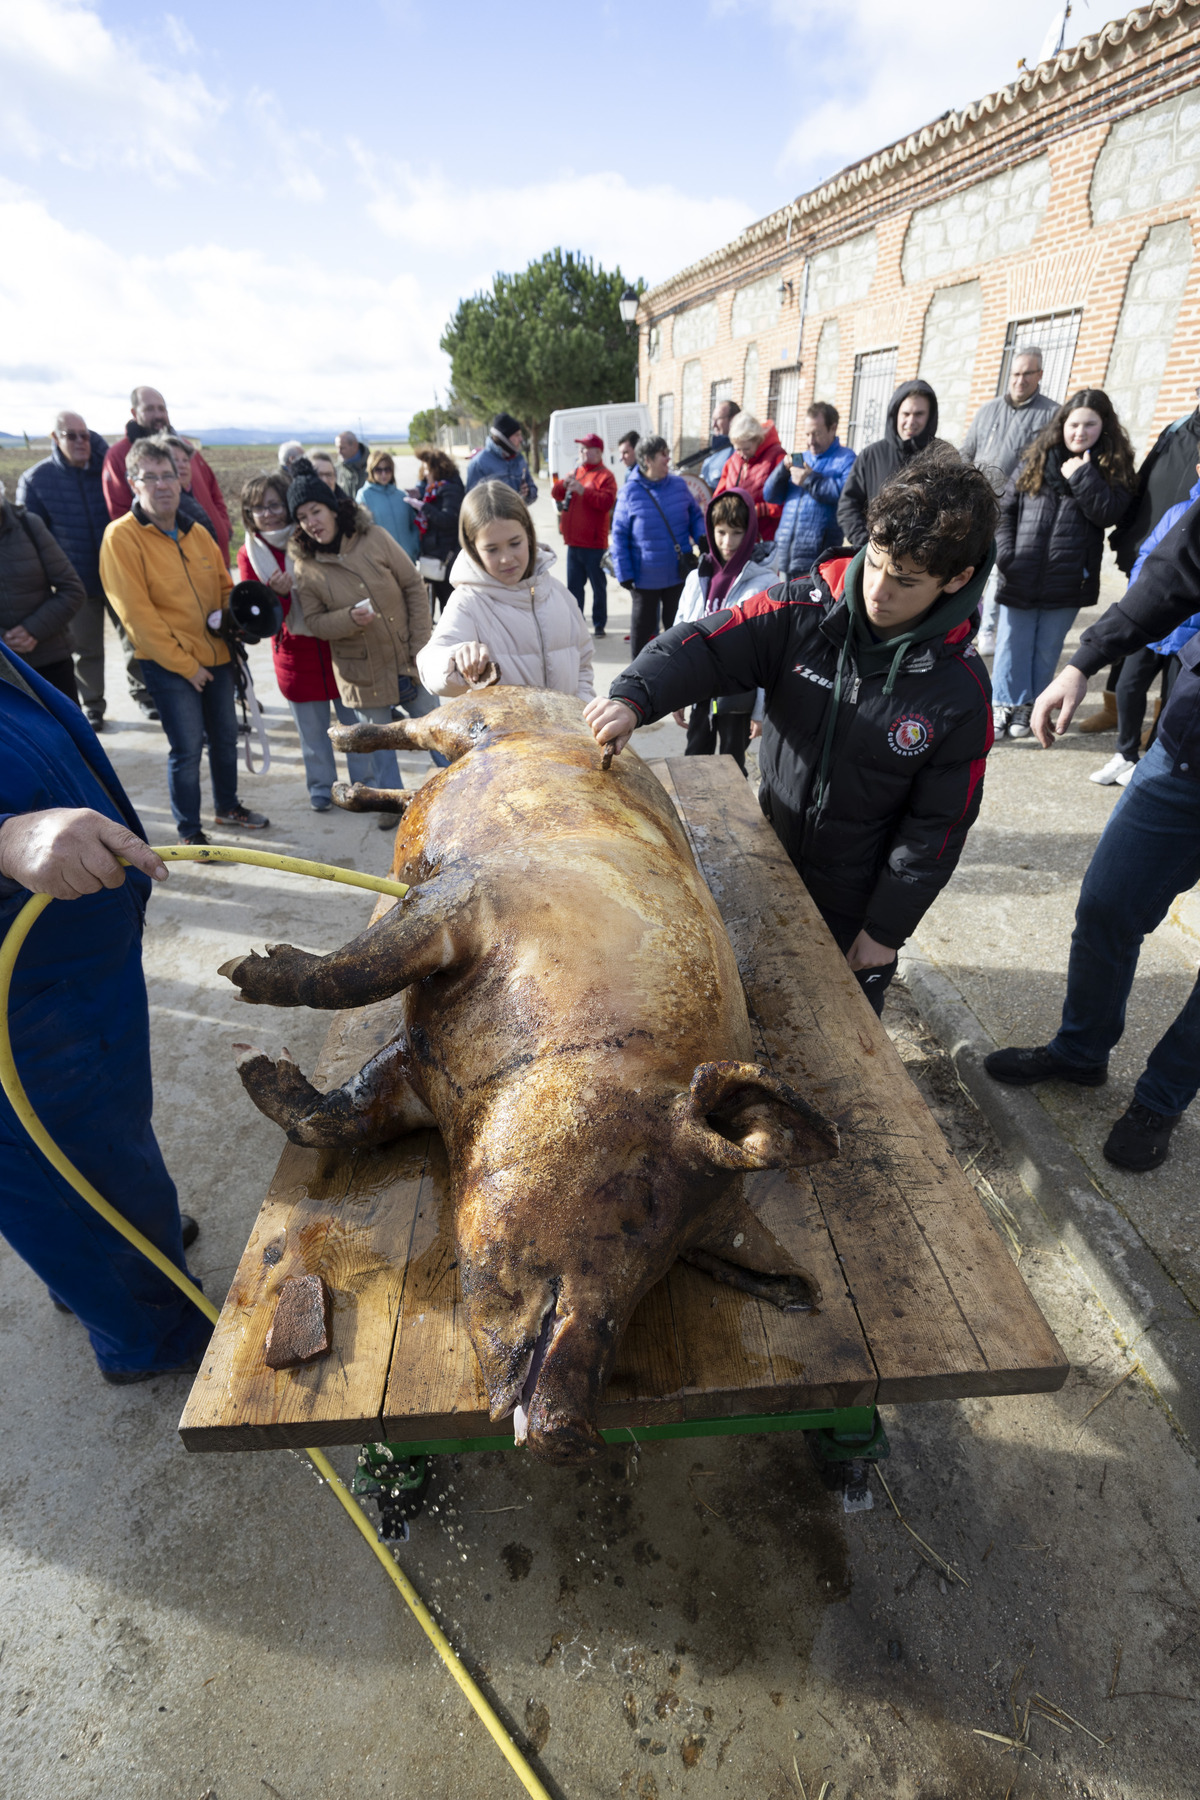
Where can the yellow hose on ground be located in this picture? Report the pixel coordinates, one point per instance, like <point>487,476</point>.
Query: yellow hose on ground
<point>10,1081</point>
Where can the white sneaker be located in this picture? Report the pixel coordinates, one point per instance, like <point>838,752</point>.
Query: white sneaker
<point>985,643</point>
<point>1117,769</point>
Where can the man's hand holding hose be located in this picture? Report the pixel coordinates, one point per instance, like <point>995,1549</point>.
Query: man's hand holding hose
<point>612,722</point>
<point>69,851</point>
<point>1061,697</point>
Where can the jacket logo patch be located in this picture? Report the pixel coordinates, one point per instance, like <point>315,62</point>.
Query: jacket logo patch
<point>909,735</point>
<point>811,675</point>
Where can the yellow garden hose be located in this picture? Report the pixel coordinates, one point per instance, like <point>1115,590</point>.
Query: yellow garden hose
<point>10,1081</point>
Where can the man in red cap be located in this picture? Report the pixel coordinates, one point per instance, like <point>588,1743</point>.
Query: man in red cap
<point>585,502</point>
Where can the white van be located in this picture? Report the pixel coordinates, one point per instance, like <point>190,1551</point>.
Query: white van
<point>609,422</point>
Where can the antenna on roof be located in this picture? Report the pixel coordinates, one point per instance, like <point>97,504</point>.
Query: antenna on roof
<point>1056,36</point>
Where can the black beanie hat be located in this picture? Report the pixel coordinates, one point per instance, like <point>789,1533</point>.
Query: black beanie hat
<point>306,485</point>
<point>505,424</point>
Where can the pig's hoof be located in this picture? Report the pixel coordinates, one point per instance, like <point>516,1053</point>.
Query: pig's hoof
<point>360,798</point>
<point>277,1088</point>
<point>276,979</point>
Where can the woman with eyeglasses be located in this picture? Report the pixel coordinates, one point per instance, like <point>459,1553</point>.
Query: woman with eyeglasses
<point>303,663</point>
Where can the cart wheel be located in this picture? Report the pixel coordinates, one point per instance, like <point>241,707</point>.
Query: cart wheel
<point>844,1460</point>
<point>396,1483</point>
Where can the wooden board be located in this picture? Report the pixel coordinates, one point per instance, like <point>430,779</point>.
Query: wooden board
<point>920,1297</point>
<point>941,1304</point>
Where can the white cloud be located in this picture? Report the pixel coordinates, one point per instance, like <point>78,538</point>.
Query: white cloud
<point>648,230</point>
<point>75,92</point>
<point>871,71</point>
<point>232,337</point>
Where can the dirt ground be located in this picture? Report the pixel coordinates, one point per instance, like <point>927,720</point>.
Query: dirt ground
<point>697,1618</point>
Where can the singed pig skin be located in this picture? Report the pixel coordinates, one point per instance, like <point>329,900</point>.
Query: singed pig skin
<point>575,1025</point>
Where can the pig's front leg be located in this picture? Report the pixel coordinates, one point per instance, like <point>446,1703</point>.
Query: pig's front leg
<point>383,1101</point>
<point>432,928</point>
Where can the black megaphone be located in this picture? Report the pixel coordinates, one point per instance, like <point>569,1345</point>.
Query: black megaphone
<point>254,612</point>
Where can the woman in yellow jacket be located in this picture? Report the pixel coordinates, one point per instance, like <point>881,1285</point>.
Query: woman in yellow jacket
<point>360,592</point>
<point>168,584</point>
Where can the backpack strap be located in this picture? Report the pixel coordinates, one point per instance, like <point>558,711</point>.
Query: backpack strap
<point>662,515</point>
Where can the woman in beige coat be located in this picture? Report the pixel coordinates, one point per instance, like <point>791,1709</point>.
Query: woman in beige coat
<point>507,613</point>
<point>359,591</point>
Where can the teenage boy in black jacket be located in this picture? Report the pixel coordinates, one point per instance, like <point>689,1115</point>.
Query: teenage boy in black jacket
<point>1148,853</point>
<point>878,711</point>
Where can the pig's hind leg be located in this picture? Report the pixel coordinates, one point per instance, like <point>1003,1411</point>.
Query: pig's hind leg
<point>374,1106</point>
<point>430,930</point>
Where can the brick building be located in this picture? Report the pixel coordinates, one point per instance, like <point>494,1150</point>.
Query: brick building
<point>1060,211</point>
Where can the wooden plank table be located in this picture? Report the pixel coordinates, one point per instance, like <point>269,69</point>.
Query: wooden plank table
<point>921,1299</point>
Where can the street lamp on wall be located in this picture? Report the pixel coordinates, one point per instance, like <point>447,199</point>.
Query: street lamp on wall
<point>786,292</point>
<point>627,306</point>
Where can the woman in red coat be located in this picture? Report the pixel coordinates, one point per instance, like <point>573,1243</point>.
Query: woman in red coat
<point>303,664</point>
<point>757,452</point>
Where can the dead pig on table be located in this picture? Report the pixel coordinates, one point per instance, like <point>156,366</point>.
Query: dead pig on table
<point>574,1025</point>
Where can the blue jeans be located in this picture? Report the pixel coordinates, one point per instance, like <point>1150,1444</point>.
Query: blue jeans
<point>989,606</point>
<point>188,718</point>
<point>320,769</point>
<point>1149,852</point>
<point>584,566</point>
<point>1028,646</point>
<point>414,701</point>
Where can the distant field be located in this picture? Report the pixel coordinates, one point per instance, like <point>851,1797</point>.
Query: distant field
<point>232,464</point>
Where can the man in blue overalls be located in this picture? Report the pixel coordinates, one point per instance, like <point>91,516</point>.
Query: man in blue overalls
<point>80,1029</point>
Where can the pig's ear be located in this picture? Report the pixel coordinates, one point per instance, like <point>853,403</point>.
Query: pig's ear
<point>740,1116</point>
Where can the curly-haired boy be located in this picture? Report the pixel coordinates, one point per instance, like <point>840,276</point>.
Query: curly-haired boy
<point>878,710</point>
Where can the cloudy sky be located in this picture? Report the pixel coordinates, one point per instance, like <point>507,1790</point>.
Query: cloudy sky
<point>269,211</point>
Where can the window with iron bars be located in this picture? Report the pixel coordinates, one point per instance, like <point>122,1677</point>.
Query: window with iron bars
<point>1055,335</point>
<point>874,384</point>
<point>783,397</point>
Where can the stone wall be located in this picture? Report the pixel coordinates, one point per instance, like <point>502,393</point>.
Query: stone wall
<point>692,422</point>
<point>839,276</point>
<point>825,373</point>
<point>1150,159</point>
<point>1146,328</point>
<point>750,380</point>
<point>992,218</point>
<point>754,306</point>
<point>948,347</point>
<point>695,329</point>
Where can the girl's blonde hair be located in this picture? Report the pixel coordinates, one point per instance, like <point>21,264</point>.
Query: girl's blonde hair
<point>490,501</point>
<point>380,456</point>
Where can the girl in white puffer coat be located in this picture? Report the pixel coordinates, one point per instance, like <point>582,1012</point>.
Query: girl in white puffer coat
<point>507,612</point>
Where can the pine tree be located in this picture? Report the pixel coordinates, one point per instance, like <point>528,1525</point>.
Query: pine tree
<point>546,339</point>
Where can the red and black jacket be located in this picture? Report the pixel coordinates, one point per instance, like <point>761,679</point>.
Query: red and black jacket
<point>905,778</point>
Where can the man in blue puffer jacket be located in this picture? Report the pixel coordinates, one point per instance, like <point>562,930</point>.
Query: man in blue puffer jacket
<point>501,459</point>
<point>654,524</point>
<point>809,527</point>
<point>65,492</point>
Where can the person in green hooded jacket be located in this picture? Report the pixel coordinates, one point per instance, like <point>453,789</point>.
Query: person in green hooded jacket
<point>878,715</point>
